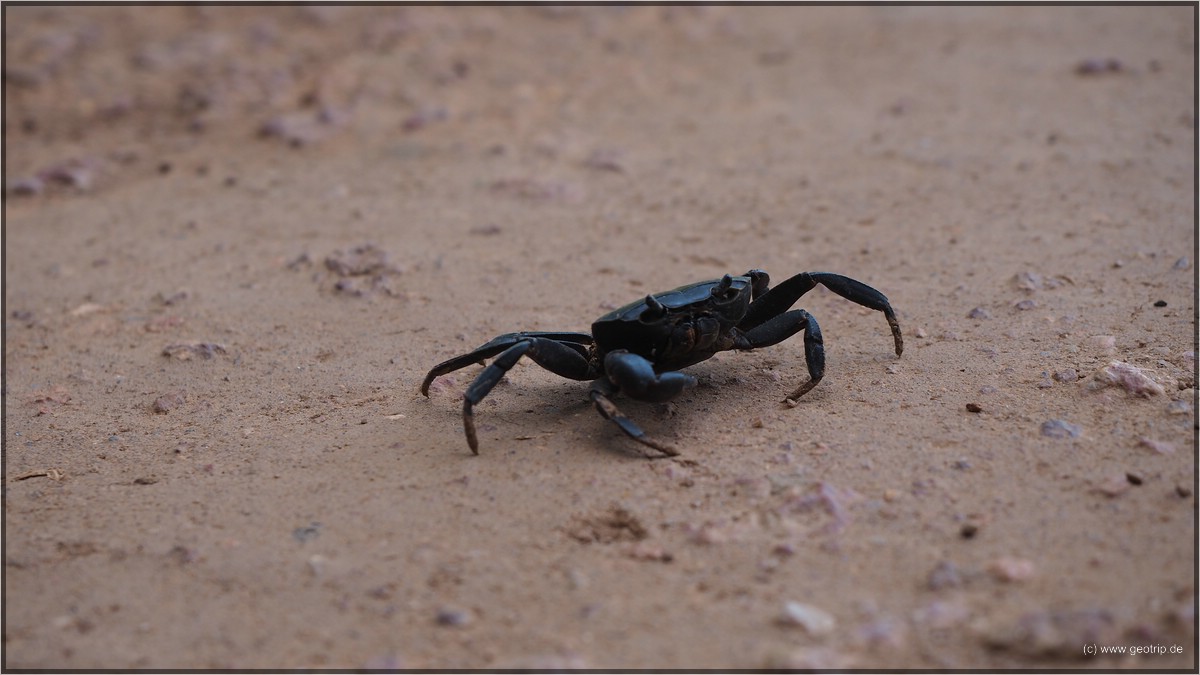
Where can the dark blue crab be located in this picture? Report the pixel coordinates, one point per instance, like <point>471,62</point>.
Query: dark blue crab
<point>639,348</point>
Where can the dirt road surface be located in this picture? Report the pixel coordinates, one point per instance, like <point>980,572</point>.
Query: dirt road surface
<point>236,239</point>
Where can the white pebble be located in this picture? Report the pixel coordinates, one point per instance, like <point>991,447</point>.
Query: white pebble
<point>813,619</point>
<point>1129,376</point>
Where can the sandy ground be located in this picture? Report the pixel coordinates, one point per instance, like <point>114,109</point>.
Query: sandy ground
<point>237,238</point>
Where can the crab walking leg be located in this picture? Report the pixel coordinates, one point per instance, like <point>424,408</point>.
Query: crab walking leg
<point>579,341</point>
<point>602,389</point>
<point>783,327</point>
<point>558,358</point>
<point>777,300</point>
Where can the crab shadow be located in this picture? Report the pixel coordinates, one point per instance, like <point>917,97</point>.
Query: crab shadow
<point>530,405</point>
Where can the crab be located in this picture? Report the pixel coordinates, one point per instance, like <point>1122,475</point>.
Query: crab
<point>639,349</point>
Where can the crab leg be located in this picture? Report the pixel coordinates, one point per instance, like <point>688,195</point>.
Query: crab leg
<point>557,357</point>
<point>780,298</point>
<point>782,327</point>
<point>577,341</point>
<point>602,389</point>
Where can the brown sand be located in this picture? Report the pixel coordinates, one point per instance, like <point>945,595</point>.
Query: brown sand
<point>309,207</point>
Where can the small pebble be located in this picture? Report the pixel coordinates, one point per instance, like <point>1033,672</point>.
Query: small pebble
<point>451,616</point>
<point>1097,66</point>
<point>945,575</point>
<point>1160,447</point>
<point>1133,379</point>
<point>168,402</point>
<point>1065,376</point>
<point>1061,429</point>
<point>1160,303</point>
<point>1026,304</point>
<point>812,619</point>
<point>1114,485</point>
<point>974,407</point>
<point>1104,343</point>
<point>941,614</point>
<point>1182,263</point>
<point>1010,569</point>
<point>979,313</point>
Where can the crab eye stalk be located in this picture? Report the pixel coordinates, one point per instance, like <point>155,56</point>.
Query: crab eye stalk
<point>724,289</point>
<point>654,310</point>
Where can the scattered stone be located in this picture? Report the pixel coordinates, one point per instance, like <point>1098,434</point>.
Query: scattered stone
<point>1182,264</point>
<point>1010,569</point>
<point>57,394</point>
<point>317,564</point>
<point>303,534</point>
<point>27,186</point>
<point>1066,376</point>
<point>945,575</point>
<point>1115,485</point>
<point>814,620</point>
<point>300,261</point>
<point>1054,634</point>
<point>362,270</point>
<point>604,160</point>
<point>974,408</point>
<point>881,632</point>
<point>713,533</point>
<point>1031,282</point>
<point>1161,447</point>
<point>182,555</point>
<point>1098,66</point>
<point>1026,304</point>
<point>979,313</point>
<point>174,298</point>
<point>1133,379</point>
<point>941,614</point>
<point>1180,407</point>
<point>303,128</point>
<point>87,308</point>
<point>358,261</point>
<point>425,117</point>
<point>487,230</point>
<point>615,524</point>
<point>1104,343</point>
<point>1061,429</point>
<point>168,402</point>
<point>185,351</point>
<point>452,616</point>
<point>649,552</point>
<point>1160,303</point>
